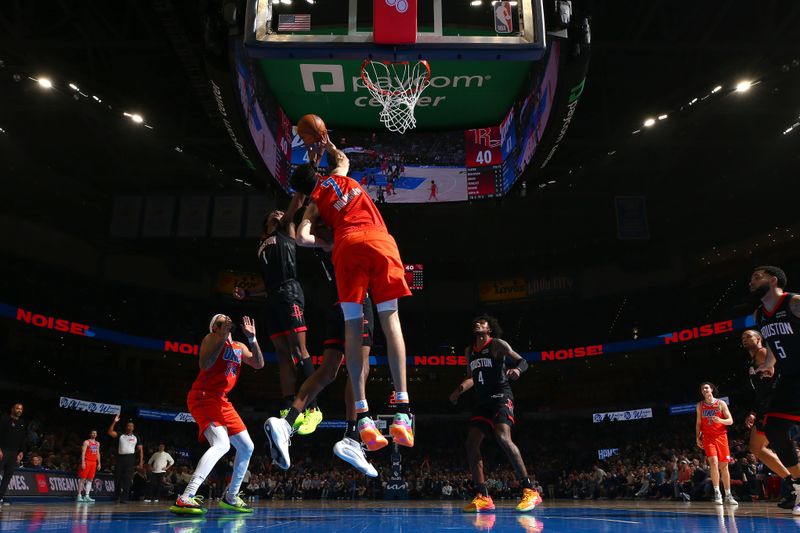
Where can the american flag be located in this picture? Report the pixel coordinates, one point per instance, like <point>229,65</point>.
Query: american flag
<point>294,22</point>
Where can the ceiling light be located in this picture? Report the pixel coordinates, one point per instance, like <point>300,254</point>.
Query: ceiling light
<point>662,117</point>
<point>137,118</point>
<point>551,182</point>
<point>476,3</point>
<point>45,83</point>
<point>649,122</point>
<point>73,87</point>
<point>716,89</point>
<point>694,100</point>
<point>743,86</point>
<point>96,99</point>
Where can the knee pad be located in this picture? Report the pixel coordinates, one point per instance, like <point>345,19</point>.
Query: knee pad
<point>352,311</point>
<point>390,305</point>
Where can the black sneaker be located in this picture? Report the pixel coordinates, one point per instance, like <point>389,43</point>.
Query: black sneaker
<point>787,495</point>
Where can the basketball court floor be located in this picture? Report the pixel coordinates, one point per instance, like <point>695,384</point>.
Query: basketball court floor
<point>402,516</point>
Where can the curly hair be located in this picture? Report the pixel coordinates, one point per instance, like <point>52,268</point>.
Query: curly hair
<point>714,389</point>
<point>494,325</point>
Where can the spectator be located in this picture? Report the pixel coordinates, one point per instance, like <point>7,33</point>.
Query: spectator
<point>12,439</point>
<point>160,463</point>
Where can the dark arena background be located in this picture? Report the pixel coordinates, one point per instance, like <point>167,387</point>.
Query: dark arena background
<point>603,176</point>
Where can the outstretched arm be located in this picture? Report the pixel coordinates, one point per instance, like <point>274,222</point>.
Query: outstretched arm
<point>304,236</point>
<point>111,433</point>
<point>342,164</point>
<point>253,358</point>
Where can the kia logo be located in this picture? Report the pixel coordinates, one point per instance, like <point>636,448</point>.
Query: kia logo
<point>400,5</point>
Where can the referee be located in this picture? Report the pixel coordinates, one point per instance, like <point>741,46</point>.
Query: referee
<point>128,448</point>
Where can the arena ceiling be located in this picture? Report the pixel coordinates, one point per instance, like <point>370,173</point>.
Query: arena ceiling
<point>709,171</point>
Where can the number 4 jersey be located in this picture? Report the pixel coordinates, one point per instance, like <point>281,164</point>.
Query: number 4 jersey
<point>488,368</point>
<point>781,330</point>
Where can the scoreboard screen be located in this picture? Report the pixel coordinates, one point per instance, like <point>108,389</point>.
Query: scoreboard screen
<point>484,163</point>
<point>414,277</point>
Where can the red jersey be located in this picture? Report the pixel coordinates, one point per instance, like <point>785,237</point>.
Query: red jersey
<point>92,451</point>
<point>708,427</point>
<point>221,377</point>
<point>345,206</point>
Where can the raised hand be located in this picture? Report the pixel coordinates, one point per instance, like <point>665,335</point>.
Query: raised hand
<point>249,327</point>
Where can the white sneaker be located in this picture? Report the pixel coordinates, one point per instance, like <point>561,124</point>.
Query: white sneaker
<point>148,501</point>
<point>729,499</point>
<point>350,451</point>
<point>278,432</point>
<point>717,497</point>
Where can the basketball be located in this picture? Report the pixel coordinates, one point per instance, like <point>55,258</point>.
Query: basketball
<point>311,128</point>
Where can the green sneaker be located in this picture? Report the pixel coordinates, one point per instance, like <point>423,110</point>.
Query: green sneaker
<point>297,423</point>
<point>311,419</point>
<point>89,499</point>
<point>238,505</point>
<point>80,498</point>
<point>187,505</point>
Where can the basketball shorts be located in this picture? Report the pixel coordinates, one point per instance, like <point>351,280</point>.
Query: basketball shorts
<point>785,401</point>
<point>717,446</point>
<point>89,471</point>
<point>208,409</point>
<point>368,259</point>
<point>334,326</point>
<point>499,409</point>
<point>286,310</point>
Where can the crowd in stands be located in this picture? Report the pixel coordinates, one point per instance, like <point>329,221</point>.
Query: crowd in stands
<point>651,459</point>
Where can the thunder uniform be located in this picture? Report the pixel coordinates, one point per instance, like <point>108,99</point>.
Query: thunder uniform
<point>334,318</point>
<point>714,434</point>
<point>90,458</point>
<point>277,261</point>
<point>781,330</point>
<point>365,255</point>
<point>208,398</point>
<point>494,401</point>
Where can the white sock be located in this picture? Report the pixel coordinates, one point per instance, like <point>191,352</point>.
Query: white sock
<point>244,449</point>
<point>217,437</point>
<point>88,487</point>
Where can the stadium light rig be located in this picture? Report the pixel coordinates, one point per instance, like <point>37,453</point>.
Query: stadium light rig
<point>743,86</point>
<point>45,83</point>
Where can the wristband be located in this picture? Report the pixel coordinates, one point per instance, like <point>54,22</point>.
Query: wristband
<point>522,366</point>
<point>252,340</point>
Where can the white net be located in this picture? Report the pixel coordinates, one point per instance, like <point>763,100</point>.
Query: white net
<point>397,86</point>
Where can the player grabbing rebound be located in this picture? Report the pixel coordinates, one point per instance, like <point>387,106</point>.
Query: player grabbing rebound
<point>763,389</point>
<point>277,261</point>
<point>90,464</point>
<point>365,256</point>
<point>712,418</point>
<point>218,422</point>
<point>778,320</point>
<point>491,364</point>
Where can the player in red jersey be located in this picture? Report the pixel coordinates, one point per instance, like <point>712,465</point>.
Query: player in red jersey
<point>90,464</point>
<point>365,256</point>
<point>434,191</point>
<point>712,418</point>
<point>218,422</point>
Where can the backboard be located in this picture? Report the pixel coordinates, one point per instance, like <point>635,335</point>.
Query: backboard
<point>429,28</point>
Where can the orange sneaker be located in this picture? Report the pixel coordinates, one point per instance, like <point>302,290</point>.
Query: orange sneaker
<point>484,522</point>
<point>370,435</point>
<point>480,504</point>
<point>530,499</point>
<point>401,430</point>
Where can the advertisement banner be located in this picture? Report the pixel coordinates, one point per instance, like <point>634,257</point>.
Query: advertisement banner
<point>622,416</point>
<point>166,416</point>
<point>503,290</point>
<point>89,407</point>
<point>55,484</point>
<point>302,86</point>
<point>605,453</point>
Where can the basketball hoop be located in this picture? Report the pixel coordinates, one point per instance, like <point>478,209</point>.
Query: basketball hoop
<point>397,86</point>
